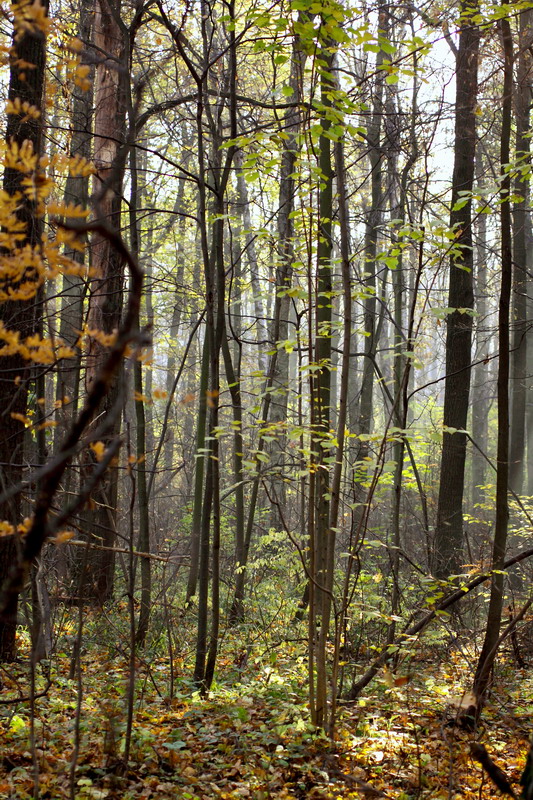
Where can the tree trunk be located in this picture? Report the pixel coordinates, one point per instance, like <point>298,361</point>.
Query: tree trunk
<point>448,546</point>
<point>373,219</point>
<point>279,365</point>
<point>492,633</point>
<point>73,290</point>
<point>520,323</point>
<point>323,535</point>
<point>105,302</point>
<point>480,388</point>
<point>20,315</point>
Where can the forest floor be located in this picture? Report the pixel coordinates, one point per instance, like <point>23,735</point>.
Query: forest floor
<point>251,738</point>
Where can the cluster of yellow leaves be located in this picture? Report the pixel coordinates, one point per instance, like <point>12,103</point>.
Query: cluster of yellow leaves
<point>104,339</point>
<point>25,110</point>
<point>21,157</point>
<point>7,529</point>
<point>98,449</point>
<point>63,536</point>
<point>24,269</point>
<point>33,348</point>
<point>77,72</point>
<point>30,18</point>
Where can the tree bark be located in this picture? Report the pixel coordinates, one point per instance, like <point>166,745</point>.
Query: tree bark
<point>73,289</point>
<point>448,545</point>
<point>20,315</point>
<point>520,324</point>
<point>481,376</point>
<point>105,301</point>
<point>489,649</point>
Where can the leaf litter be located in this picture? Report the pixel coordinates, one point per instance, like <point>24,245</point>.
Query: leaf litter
<point>251,738</point>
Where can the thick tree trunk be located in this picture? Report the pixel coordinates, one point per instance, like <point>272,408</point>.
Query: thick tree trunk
<point>19,315</point>
<point>448,546</point>
<point>105,302</point>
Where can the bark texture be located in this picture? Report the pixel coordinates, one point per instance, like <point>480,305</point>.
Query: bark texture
<point>449,530</point>
<point>19,315</point>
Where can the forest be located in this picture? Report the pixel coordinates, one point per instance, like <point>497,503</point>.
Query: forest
<point>266,428</point>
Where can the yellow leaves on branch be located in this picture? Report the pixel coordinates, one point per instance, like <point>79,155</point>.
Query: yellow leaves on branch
<point>25,110</point>
<point>23,269</point>
<point>30,18</point>
<point>78,166</point>
<point>63,536</point>
<point>7,529</point>
<point>98,449</point>
<point>21,157</point>
<point>67,210</point>
<point>33,348</point>
<point>103,339</point>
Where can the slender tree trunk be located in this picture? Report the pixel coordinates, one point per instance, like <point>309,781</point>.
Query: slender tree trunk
<point>480,388</point>
<point>214,268</point>
<point>448,548</point>
<point>277,375</point>
<point>402,333</point>
<point>199,471</point>
<point>253,263</point>
<point>73,291</point>
<point>140,416</point>
<point>335,505</point>
<point>373,219</point>
<point>279,365</point>
<point>520,323</point>
<point>488,651</point>
<point>176,319</point>
<point>324,534</point>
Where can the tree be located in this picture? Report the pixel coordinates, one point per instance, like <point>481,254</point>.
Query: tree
<point>105,300</point>
<point>448,546</point>
<point>23,184</point>
<point>489,649</point>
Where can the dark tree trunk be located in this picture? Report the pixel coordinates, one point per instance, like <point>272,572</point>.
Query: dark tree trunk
<point>489,649</point>
<point>18,315</point>
<point>447,557</point>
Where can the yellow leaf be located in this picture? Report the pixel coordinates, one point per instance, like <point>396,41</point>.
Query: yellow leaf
<point>64,536</point>
<point>98,449</point>
<point>21,418</point>
<point>6,529</point>
<point>50,423</point>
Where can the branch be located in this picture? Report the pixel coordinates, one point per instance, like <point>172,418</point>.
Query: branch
<point>127,550</point>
